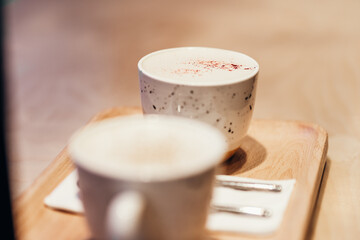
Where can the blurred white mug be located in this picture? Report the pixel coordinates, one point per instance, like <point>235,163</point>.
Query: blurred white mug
<point>147,177</point>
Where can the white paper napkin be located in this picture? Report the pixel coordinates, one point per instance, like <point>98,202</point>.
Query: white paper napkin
<point>275,202</point>
<point>66,197</point>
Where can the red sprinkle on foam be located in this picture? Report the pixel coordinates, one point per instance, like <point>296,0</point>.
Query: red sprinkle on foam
<point>210,65</point>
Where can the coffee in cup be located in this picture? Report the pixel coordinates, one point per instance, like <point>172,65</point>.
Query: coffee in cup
<point>213,85</point>
<point>147,177</point>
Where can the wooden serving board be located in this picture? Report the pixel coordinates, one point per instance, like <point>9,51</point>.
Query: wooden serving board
<point>272,150</point>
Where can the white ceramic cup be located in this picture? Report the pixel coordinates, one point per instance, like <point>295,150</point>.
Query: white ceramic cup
<point>147,177</point>
<point>213,85</point>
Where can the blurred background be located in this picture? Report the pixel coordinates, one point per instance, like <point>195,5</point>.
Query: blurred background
<point>68,60</point>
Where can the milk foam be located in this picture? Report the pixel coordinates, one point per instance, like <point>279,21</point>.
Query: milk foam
<point>150,148</point>
<point>198,66</point>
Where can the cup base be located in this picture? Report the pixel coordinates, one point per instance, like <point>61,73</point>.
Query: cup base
<point>229,154</point>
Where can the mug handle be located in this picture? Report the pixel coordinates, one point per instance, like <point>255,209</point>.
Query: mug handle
<point>124,215</point>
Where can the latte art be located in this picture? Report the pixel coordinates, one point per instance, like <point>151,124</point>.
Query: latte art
<point>199,65</point>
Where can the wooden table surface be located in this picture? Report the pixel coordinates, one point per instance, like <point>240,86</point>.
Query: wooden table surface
<point>68,60</point>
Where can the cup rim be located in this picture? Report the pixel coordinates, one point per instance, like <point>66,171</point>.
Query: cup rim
<point>195,83</point>
<point>125,174</point>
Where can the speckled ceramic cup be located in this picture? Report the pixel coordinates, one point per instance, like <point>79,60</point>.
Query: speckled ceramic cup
<point>212,85</point>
